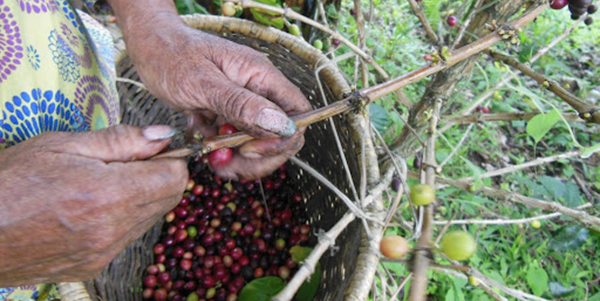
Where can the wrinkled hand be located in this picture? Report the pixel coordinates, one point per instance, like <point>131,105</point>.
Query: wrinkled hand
<point>221,81</point>
<point>71,201</point>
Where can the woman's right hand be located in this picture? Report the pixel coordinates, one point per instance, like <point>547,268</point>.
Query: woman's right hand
<point>70,202</point>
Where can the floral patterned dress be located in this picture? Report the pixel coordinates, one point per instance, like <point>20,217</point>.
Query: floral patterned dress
<point>56,74</point>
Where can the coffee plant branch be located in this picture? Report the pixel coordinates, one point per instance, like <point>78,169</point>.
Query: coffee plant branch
<point>507,221</point>
<point>418,286</point>
<point>367,95</point>
<point>288,13</point>
<point>586,110</point>
<point>510,76</point>
<point>479,117</point>
<point>513,168</point>
<point>418,10</point>
<point>583,217</point>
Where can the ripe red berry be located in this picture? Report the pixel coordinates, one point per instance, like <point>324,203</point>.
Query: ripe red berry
<point>227,129</point>
<point>336,42</point>
<point>220,158</point>
<point>428,57</point>
<point>559,4</point>
<point>452,20</point>
<point>485,110</point>
<point>150,281</point>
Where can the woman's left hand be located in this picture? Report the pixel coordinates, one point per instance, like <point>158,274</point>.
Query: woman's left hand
<point>219,81</point>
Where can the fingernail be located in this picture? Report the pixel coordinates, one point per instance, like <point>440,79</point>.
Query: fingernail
<point>251,155</point>
<point>158,132</point>
<point>276,122</point>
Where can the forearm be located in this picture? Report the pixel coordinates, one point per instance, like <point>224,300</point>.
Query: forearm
<point>146,24</point>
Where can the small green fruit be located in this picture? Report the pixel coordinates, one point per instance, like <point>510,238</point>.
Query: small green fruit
<point>318,44</point>
<point>294,30</point>
<point>536,224</point>
<point>497,95</point>
<point>228,9</point>
<point>474,281</point>
<point>422,194</point>
<point>458,245</point>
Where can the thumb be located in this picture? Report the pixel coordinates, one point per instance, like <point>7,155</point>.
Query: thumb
<point>253,114</point>
<point>119,143</point>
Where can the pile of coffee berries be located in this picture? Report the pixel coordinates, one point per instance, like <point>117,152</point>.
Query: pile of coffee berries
<point>223,234</point>
<point>577,8</point>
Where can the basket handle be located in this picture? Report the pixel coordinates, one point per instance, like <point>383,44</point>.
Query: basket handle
<point>73,291</point>
<point>232,140</point>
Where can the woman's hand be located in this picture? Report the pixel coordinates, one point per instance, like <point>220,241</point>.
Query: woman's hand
<point>70,202</point>
<point>216,81</point>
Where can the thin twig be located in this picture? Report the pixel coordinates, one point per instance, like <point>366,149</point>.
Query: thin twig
<point>130,81</point>
<point>482,118</point>
<point>326,240</point>
<point>488,94</point>
<point>455,149</point>
<point>457,56</point>
<point>586,110</point>
<point>351,206</point>
<point>507,221</point>
<point>513,168</point>
<point>394,295</point>
<point>464,26</point>
<point>288,13</point>
<point>421,16</point>
<point>583,217</point>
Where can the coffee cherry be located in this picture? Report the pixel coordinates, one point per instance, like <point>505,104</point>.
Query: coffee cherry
<point>536,224</point>
<point>592,9</point>
<point>220,158</point>
<point>422,194</point>
<point>150,281</point>
<point>558,4</point>
<point>335,42</point>
<point>318,44</point>
<point>458,245</point>
<point>147,293</point>
<point>294,30</point>
<point>396,184</point>
<point>474,281</point>
<point>452,20</point>
<point>428,57</point>
<point>353,12</point>
<point>394,246</point>
<point>228,9</point>
<point>227,129</point>
<point>160,294</point>
<point>588,21</point>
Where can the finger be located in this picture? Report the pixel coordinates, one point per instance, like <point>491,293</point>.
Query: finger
<point>251,113</point>
<point>273,85</point>
<point>257,149</point>
<point>145,182</point>
<point>119,143</point>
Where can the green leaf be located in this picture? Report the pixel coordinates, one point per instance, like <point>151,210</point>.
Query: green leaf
<point>572,195</point>
<point>527,52</point>
<point>539,125</point>
<point>559,291</point>
<point>537,280</point>
<point>554,186</point>
<point>261,289</point>
<point>379,117</point>
<point>595,297</point>
<point>300,253</point>
<point>589,151</point>
<point>568,238</point>
<point>309,288</point>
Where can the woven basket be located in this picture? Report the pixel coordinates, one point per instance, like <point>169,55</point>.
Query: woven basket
<point>121,280</point>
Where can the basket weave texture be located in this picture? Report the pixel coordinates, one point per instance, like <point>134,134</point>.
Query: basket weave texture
<point>297,60</point>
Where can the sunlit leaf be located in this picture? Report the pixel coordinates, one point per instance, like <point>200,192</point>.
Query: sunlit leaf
<point>539,125</point>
